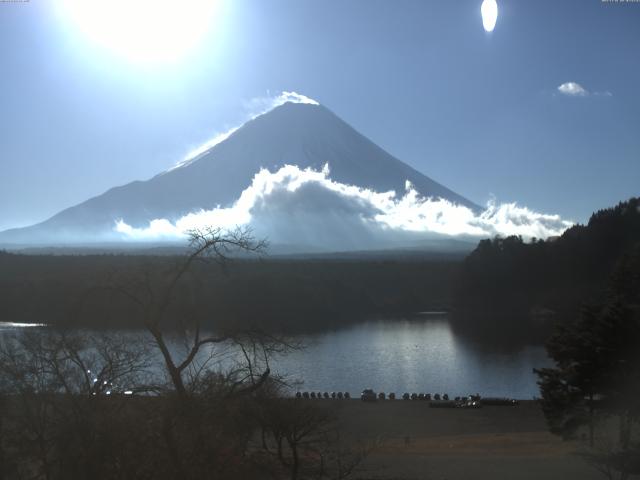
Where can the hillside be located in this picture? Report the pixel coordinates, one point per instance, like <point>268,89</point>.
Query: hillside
<point>507,286</point>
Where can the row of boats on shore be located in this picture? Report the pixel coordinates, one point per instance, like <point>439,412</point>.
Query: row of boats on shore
<point>435,401</point>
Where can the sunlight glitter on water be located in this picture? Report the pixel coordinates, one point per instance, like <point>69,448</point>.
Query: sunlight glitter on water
<point>13,325</point>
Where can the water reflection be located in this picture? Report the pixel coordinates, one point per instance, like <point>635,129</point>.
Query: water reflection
<point>413,356</point>
<point>400,355</point>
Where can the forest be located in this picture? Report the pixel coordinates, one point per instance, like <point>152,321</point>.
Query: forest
<point>271,294</point>
<point>510,287</point>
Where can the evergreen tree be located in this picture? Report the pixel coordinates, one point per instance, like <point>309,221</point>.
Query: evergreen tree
<point>597,367</point>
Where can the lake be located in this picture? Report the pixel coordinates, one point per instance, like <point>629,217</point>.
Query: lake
<point>412,355</point>
<point>406,355</point>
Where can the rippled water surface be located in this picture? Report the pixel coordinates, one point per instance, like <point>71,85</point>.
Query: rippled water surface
<point>402,356</point>
<point>411,356</point>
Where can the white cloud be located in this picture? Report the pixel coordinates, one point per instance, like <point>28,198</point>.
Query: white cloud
<point>306,207</point>
<point>256,106</point>
<point>261,105</point>
<point>573,89</point>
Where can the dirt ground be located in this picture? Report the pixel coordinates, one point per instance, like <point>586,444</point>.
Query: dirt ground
<point>414,441</point>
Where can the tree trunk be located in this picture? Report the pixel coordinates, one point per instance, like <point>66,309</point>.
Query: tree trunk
<point>263,437</point>
<point>2,459</point>
<point>174,373</point>
<point>295,465</point>
<point>169,438</point>
<point>591,427</point>
<point>280,457</point>
<point>625,430</point>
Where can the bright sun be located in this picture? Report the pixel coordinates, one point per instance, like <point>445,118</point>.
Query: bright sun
<point>143,31</point>
<point>489,11</point>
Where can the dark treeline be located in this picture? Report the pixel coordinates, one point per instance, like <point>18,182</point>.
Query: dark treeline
<point>509,287</point>
<point>291,295</point>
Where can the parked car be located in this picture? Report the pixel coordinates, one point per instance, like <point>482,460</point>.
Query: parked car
<point>468,403</point>
<point>368,395</point>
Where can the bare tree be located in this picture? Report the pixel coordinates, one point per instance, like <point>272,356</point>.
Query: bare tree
<point>612,461</point>
<point>167,306</point>
<point>306,438</point>
<point>208,371</point>
<point>71,397</point>
<point>53,387</point>
<point>340,458</point>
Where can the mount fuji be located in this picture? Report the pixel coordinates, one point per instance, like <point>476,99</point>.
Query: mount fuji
<point>306,135</point>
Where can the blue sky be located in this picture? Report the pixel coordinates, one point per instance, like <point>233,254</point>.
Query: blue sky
<point>480,113</point>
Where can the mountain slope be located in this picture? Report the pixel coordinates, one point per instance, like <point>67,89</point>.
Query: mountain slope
<point>305,135</point>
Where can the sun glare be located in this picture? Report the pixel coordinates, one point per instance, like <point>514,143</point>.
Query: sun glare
<point>489,11</point>
<point>143,31</point>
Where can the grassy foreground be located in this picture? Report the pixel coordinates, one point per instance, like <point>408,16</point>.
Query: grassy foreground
<point>417,442</point>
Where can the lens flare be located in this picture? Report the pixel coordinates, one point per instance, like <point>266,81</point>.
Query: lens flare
<point>489,11</point>
<point>142,31</point>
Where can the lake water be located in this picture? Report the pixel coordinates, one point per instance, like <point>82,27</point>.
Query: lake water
<point>412,355</point>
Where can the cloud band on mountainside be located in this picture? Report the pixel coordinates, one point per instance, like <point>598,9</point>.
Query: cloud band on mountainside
<point>306,207</point>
